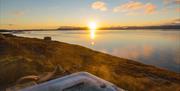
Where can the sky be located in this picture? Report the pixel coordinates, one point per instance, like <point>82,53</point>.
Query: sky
<point>47,14</point>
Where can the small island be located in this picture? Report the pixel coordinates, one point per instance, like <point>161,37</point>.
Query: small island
<point>20,56</point>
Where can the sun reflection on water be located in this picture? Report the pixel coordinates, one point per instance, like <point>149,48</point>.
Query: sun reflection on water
<point>92,28</point>
<point>92,36</point>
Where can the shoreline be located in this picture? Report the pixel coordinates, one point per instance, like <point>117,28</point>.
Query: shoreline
<point>36,56</point>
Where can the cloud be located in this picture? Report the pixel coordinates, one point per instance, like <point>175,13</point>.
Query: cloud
<point>132,13</point>
<point>177,1</point>
<point>99,5</point>
<point>173,22</point>
<point>178,10</point>
<point>150,8</point>
<point>133,6</point>
<point>18,13</point>
<point>128,6</point>
<point>169,2</point>
<point>8,24</point>
<point>166,1</point>
<point>176,22</point>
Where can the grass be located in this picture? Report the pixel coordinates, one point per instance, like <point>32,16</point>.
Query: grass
<point>21,56</point>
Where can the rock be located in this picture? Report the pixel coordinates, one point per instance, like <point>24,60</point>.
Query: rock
<point>47,38</point>
<point>8,35</point>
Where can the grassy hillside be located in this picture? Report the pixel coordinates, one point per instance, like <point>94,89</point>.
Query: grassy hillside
<point>29,56</point>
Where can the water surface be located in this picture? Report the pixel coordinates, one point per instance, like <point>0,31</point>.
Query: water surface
<point>154,47</point>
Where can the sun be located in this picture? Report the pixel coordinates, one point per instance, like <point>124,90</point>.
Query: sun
<point>92,25</point>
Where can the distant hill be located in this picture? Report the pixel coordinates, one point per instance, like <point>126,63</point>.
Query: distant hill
<point>123,27</point>
<point>143,27</point>
<point>21,56</point>
<point>71,28</point>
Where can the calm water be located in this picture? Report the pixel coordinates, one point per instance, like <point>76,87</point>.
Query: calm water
<point>155,47</point>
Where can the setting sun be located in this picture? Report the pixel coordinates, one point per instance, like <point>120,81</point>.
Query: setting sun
<point>92,25</point>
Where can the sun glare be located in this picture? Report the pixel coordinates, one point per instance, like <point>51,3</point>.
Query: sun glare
<point>92,25</point>
<point>92,28</point>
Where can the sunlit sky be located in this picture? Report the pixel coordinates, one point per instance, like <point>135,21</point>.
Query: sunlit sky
<point>42,14</point>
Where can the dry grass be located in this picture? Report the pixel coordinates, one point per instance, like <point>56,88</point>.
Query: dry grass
<point>24,56</point>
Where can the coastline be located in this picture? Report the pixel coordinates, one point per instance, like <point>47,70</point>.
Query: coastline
<point>36,56</point>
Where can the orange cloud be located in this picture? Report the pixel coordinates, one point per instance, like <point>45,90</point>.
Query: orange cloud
<point>177,1</point>
<point>99,6</point>
<point>178,10</point>
<point>150,8</point>
<point>133,6</point>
